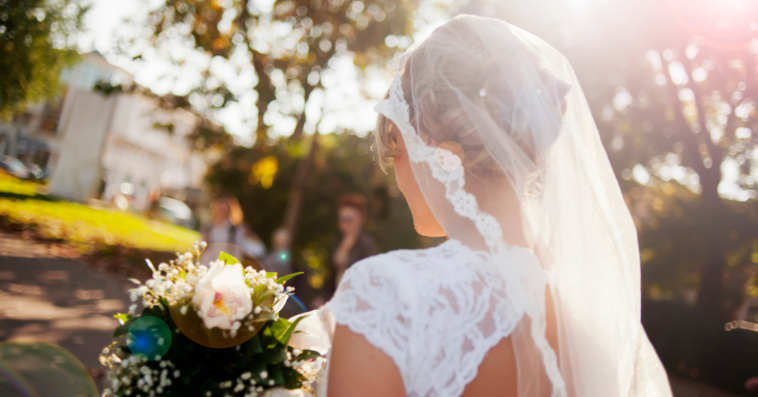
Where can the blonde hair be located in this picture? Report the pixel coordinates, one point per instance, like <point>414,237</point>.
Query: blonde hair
<point>434,102</point>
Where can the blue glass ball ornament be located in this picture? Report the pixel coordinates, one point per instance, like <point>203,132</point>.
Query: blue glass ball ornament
<point>149,336</point>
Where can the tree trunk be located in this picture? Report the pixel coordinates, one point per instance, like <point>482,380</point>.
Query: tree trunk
<point>297,191</point>
<point>297,133</point>
<point>711,276</point>
<point>265,94</point>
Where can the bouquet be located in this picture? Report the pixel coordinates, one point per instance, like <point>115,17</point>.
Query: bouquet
<point>208,330</point>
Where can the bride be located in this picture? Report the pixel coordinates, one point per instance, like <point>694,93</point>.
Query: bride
<point>536,292</point>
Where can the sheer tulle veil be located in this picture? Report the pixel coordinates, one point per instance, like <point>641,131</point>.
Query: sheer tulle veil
<point>530,130</point>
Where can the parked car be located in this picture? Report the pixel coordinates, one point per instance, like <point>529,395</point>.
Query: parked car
<point>37,172</point>
<point>176,212</point>
<point>15,167</point>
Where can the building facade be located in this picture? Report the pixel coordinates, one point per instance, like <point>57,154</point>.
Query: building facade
<point>114,147</point>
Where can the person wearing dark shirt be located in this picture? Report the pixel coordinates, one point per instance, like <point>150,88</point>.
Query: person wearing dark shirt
<point>353,244</point>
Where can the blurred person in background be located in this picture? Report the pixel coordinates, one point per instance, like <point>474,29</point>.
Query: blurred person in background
<point>353,243</point>
<point>228,232</point>
<point>279,260</point>
<point>154,206</point>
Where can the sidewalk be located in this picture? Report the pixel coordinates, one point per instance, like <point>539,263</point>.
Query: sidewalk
<point>59,300</point>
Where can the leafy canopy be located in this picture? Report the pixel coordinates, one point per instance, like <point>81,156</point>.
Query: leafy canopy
<point>36,44</point>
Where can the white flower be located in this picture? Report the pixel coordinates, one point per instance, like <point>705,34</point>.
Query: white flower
<point>222,296</point>
<point>309,334</point>
<point>280,303</point>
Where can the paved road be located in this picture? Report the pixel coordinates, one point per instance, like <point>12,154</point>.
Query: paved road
<point>58,300</point>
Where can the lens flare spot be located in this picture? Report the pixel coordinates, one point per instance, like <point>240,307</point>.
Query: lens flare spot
<point>149,336</point>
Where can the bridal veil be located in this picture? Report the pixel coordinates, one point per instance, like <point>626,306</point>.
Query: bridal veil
<point>528,125</point>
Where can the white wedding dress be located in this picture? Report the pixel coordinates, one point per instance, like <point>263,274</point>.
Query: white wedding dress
<point>436,312</point>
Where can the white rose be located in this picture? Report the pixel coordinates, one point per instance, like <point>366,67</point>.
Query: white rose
<point>221,296</point>
<point>282,392</point>
<point>310,333</point>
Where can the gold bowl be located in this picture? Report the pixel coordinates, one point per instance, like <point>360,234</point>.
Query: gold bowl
<point>191,325</point>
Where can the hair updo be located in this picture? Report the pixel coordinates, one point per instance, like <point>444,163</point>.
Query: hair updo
<point>454,61</point>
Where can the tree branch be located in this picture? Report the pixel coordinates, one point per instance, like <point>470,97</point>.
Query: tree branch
<point>297,192</point>
<point>713,149</point>
<point>297,133</point>
<point>690,142</point>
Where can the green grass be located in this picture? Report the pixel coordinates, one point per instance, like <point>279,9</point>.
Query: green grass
<point>9,184</point>
<point>84,226</point>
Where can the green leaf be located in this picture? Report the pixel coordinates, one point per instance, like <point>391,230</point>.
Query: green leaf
<point>284,338</point>
<point>228,259</point>
<point>292,378</point>
<point>270,274</point>
<point>259,299</point>
<point>284,279</point>
<point>275,373</point>
<point>308,355</point>
<point>258,289</point>
<point>121,330</point>
<point>254,344</point>
<point>157,311</point>
<point>124,328</point>
<point>256,367</point>
<point>122,317</point>
<point>279,327</point>
<point>275,356</point>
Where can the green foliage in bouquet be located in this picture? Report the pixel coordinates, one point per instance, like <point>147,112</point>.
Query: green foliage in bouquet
<point>262,362</point>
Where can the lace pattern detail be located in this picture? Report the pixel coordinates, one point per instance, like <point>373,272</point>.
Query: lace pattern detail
<point>435,312</point>
<point>524,279</point>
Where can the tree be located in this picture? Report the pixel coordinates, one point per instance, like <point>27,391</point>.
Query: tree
<point>672,86</point>
<point>344,164</point>
<point>692,112</point>
<point>284,48</point>
<point>36,44</point>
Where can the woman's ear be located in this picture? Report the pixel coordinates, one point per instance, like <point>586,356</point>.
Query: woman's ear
<point>395,138</point>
